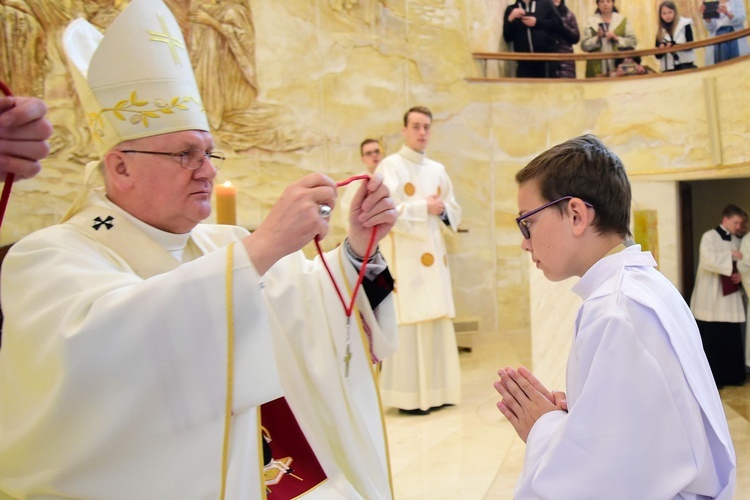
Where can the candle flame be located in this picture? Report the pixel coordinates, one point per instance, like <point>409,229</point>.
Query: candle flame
<point>227,184</point>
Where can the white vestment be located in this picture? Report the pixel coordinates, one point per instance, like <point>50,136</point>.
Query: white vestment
<point>708,303</point>
<point>425,371</point>
<point>97,403</point>
<point>645,419</point>
<point>743,266</point>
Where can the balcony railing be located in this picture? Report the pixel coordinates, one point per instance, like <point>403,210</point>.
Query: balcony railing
<point>483,57</point>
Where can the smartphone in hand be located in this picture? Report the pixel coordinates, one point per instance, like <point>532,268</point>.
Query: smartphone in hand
<point>711,9</point>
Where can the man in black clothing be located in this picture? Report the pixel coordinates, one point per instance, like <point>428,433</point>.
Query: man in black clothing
<point>531,27</point>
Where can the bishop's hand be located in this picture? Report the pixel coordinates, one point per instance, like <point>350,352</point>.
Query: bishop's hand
<point>294,221</point>
<point>372,207</point>
<point>24,131</point>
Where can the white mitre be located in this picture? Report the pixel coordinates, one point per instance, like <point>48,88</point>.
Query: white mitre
<point>135,81</point>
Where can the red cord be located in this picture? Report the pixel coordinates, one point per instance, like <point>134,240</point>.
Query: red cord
<point>8,184</point>
<point>348,309</point>
<point>352,179</point>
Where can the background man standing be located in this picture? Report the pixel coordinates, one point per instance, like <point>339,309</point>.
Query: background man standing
<point>424,373</point>
<point>370,152</point>
<point>717,301</point>
<point>743,266</point>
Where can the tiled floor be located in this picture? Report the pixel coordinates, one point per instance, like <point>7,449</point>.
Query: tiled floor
<point>471,452</point>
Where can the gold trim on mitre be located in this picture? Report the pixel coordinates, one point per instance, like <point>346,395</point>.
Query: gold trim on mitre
<point>136,80</point>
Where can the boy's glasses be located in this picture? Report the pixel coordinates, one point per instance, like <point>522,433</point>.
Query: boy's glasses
<point>190,159</point>
<point>523,224</point>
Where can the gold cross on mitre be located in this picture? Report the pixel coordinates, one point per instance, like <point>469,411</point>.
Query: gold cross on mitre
<point>167,38</point>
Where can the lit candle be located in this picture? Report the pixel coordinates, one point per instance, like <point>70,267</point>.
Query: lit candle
<point>226,204</point>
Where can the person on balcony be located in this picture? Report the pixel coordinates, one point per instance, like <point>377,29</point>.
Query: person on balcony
<point>630,66</point>
<point>731,18</point>
<point>532,26</point>
<point>568,36</point>
<point>674,30</point>
<point>606,31</point>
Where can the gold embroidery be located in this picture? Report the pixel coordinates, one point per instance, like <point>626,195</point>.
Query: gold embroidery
<point>229,402</point>
<point>96,120</point>
<point>439,191</point>
<point>167,38</point>
<point>427,259</point>
<point>409,189</point>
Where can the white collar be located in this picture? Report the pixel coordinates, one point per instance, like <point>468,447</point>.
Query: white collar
<point>606,266</point>
<point>412,155</point>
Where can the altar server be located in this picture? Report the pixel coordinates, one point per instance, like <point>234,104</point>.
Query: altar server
<point>642,417</point>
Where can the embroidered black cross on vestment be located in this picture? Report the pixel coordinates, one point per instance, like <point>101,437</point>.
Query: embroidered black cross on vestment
<point>98,222</point>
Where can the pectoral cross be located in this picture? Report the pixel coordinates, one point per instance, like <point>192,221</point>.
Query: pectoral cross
<point>347,357</point>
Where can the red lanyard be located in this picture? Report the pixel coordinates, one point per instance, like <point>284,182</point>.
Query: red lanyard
<point>348,309</point>
<point>8,184</point>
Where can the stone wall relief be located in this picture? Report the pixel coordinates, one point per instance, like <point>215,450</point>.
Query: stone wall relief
<point>221,39</point>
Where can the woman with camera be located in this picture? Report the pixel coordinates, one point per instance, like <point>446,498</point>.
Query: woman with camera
<point>674,30</point>
<point>726,16</point>
<point>606,31</point>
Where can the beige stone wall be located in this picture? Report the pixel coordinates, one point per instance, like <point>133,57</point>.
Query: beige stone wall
<point>327,74</point>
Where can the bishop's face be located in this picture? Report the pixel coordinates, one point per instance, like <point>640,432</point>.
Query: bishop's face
<point>161,192</point>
